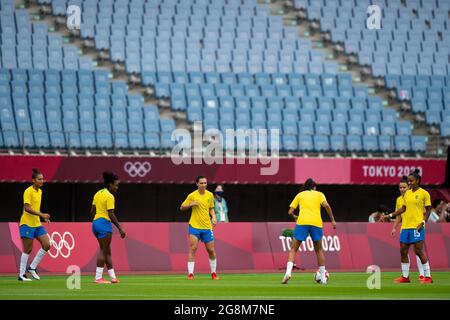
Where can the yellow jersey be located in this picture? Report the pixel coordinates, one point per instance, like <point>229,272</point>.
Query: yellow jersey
<point>200,218</point>
<point>33,198</point>
<point>399,202</point>
<point>415,202</point>
<point>310,202</point>
<point>103,201</point>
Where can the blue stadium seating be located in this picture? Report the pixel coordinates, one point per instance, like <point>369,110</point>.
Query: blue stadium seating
<point>260,74</point>
<point>410,51</point>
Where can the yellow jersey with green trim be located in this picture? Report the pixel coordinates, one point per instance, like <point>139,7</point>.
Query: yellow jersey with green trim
<point>33,197</point>
<point>415,202</point>
<point>103,201</point>
<point>200,218</point>
<point>310,202</point>
<point>399,203</point>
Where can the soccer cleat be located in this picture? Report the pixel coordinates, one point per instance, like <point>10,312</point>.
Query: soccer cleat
<point>402,280</point>
<point>190,276</point>
<point>101,281</point>
<point>115,280</point>
<point>214,276</point>
<point>34,273</point>
<point>427,280</point>
<point>421,278</point>
<point>23,278</point>
<point>286,278</point>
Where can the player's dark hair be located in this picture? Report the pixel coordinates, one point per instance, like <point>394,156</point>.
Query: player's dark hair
<point>416,175</point>
<point>109,177</point>
<point>382,208</point>
<point>436,202</point>
<point>308,185</point>
<point>404,179</point>
<point>35,173</point>
<point>198,178</point>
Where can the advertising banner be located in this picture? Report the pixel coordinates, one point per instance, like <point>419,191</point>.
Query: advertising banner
<point>159,247</point>
<point>166,170</point>
<point>390,171</point>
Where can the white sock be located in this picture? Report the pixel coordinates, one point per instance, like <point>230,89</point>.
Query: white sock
<point>112,274</point>
<point>23,263</point>
<point>213,265</point>
<point>98,273</point>
<point>420,266</point>
<point>426,269</point>
<point>322,273</point>
<point>289,267</point>
<point>405,270</point>
<point>191,267</point>
<point>39,255</point>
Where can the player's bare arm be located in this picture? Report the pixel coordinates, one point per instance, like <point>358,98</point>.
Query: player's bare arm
<point>114,220</point>
<point>425,218</point>
<point>30,210</point>
<point>190,205</point>
<point>291,212</point>
<point>330,213</point>
<point>92,212</point>
<point>384,217</point>
<point>212,213</point>
<point>397,221</point>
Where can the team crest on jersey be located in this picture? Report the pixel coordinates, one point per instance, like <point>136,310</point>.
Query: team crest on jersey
<point>417,197</point>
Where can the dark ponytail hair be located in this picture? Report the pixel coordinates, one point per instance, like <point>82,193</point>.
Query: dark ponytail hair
<point>109,177</point>
<point>404,179</point>
<point>308,185</point>
<point>416,175</point>
<point>35,173</point>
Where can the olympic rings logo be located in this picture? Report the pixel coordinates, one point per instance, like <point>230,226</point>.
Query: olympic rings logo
<point>137,168</point>
<point>62,244</point>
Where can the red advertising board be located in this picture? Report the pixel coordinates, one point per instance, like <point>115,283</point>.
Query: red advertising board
<point>166,170</point>
<point>388,171</point>
<point>158,247</point>
<point>141,169</point>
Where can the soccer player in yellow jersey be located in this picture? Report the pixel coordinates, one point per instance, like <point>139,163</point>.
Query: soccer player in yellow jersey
<point>403,186</point>
<point>103,214</point>
<point>30,227</point>
<point>309,222</point>
<point>416,201</point>
<point>203,218</point>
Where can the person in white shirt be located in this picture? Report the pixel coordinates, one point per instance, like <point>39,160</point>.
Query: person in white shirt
<point>437,207</point>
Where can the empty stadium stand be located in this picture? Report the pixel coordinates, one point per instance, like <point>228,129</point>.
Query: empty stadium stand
<point>227,63</point>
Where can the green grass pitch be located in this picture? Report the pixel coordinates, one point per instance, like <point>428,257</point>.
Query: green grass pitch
<point>250,286</point>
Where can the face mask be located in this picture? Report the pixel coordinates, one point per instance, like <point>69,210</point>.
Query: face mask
<point>219,193</point>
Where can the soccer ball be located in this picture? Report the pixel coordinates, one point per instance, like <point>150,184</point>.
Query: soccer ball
<point>317,276</point>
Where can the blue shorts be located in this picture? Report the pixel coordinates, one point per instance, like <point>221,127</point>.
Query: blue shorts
<point>101,228</point>
<point>301,232</point>
<point>31,232</point>
<point>204,235</point>
<point>410,236</point>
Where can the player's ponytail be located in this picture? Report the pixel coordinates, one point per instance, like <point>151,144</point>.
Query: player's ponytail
<point>416,175</point>
<point>109,177</point>
<point>35,173</point>
<point>308,185</point>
